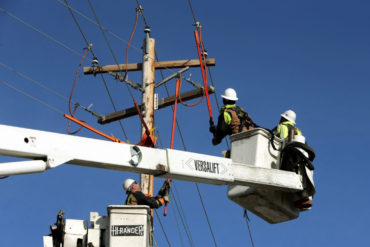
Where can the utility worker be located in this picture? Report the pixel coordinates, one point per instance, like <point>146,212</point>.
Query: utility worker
<point>286,127</point>
<point>232,119</point>
<point>136,197</point>
<point>286,130</point>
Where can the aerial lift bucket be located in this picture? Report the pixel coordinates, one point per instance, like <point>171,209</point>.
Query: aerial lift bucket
<point>254,148</point>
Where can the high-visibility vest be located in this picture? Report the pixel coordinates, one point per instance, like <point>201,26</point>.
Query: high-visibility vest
<point>131,200</point>
<point>284,128</point>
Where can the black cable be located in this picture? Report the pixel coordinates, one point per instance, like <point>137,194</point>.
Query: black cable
<point>42,33</point>
<point>182,218</point>
<point>249,229</point>
<point>108,44</point>
<point>186,227</point>
<point>31,97</point>
<point>113,104</point>
<point>93,22</point>
<point>205,212</point>
<point>141,12</point>
<point>79,27</point>
<point>192,12</point>
<point>178,229</point>
<point>164,232</point>
<point>218,106</point>
<point>105,83</point>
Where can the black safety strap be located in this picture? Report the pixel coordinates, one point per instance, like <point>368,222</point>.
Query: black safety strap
<point>245,119</point>
<point>291,150</point>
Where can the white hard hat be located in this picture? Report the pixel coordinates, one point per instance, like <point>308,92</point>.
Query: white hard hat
<point>289,115</point>
<point>230,94</point>
<point>127,184</point>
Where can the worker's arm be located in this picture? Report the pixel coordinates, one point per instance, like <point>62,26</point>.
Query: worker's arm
<point>148,200</point>
<point>223,123</point>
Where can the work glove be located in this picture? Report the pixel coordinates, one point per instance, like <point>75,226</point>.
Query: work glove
<point>212,127</point>
<point>164,189</point>
<point>166,199</point>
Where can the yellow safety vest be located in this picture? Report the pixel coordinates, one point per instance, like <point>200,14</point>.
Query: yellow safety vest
<point>283,129</point>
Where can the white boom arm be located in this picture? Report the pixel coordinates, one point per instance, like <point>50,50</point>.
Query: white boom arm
<point>48,150</point>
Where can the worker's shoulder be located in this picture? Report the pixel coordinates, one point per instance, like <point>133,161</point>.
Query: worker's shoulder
<point>138,193</point>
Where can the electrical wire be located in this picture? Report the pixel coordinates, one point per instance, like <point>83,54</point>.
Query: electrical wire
<point>205,212</point>
<point>113,104</point>
<point>249,229</point>
<point>39,84</point>
<point>35,82</point>
<point>164,232</point>
<point>42,33</point>
<point>72,113</point>
<point>186,227</point>
<point>31,97</point>
<point>141,12</point>
<point>110,32</point>
<point>183,221</point>
<point>129,41</point>
<point>105,29</point>
<point>218,106</point>
<point>192,12</point>
<point>92,52</point>
<point>108,44</point>
<point>178,229</point>
<point>79,28</point>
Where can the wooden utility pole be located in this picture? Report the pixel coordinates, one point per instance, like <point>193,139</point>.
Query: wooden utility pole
<point>147,181</point>
<point>148,67</point>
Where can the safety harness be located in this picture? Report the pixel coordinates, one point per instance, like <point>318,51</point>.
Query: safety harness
<point>244,117</point>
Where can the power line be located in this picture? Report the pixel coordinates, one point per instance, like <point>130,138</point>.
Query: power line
<point>183,221</point>
<point>192,12</point>
<point>103,79</point>
<point>218,106</point>
<point>42,33</point>
<point>182,217</point>
<point>178,229</point>
<point>249,229</point>
<point>31,97</point>
<point>108,44</point>
<point>141,12</point>
<point>105,29</point>
<point>35,82</point>
<point>79,28</point>
<point>205,212</point>
<point>164,232</point>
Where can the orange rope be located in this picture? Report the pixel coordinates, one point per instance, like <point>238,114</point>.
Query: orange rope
<point>198,40</point>
<point>177,96</point>
<point>70,96</point>
<point>189,105</point>
<point>128,44</point>
<point>175,111</point>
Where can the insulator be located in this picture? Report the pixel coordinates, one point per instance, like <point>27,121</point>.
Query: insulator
<point>95,61</point>
<point>147,29</point>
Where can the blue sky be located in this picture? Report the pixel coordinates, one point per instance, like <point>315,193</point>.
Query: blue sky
<point>310,56</point>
